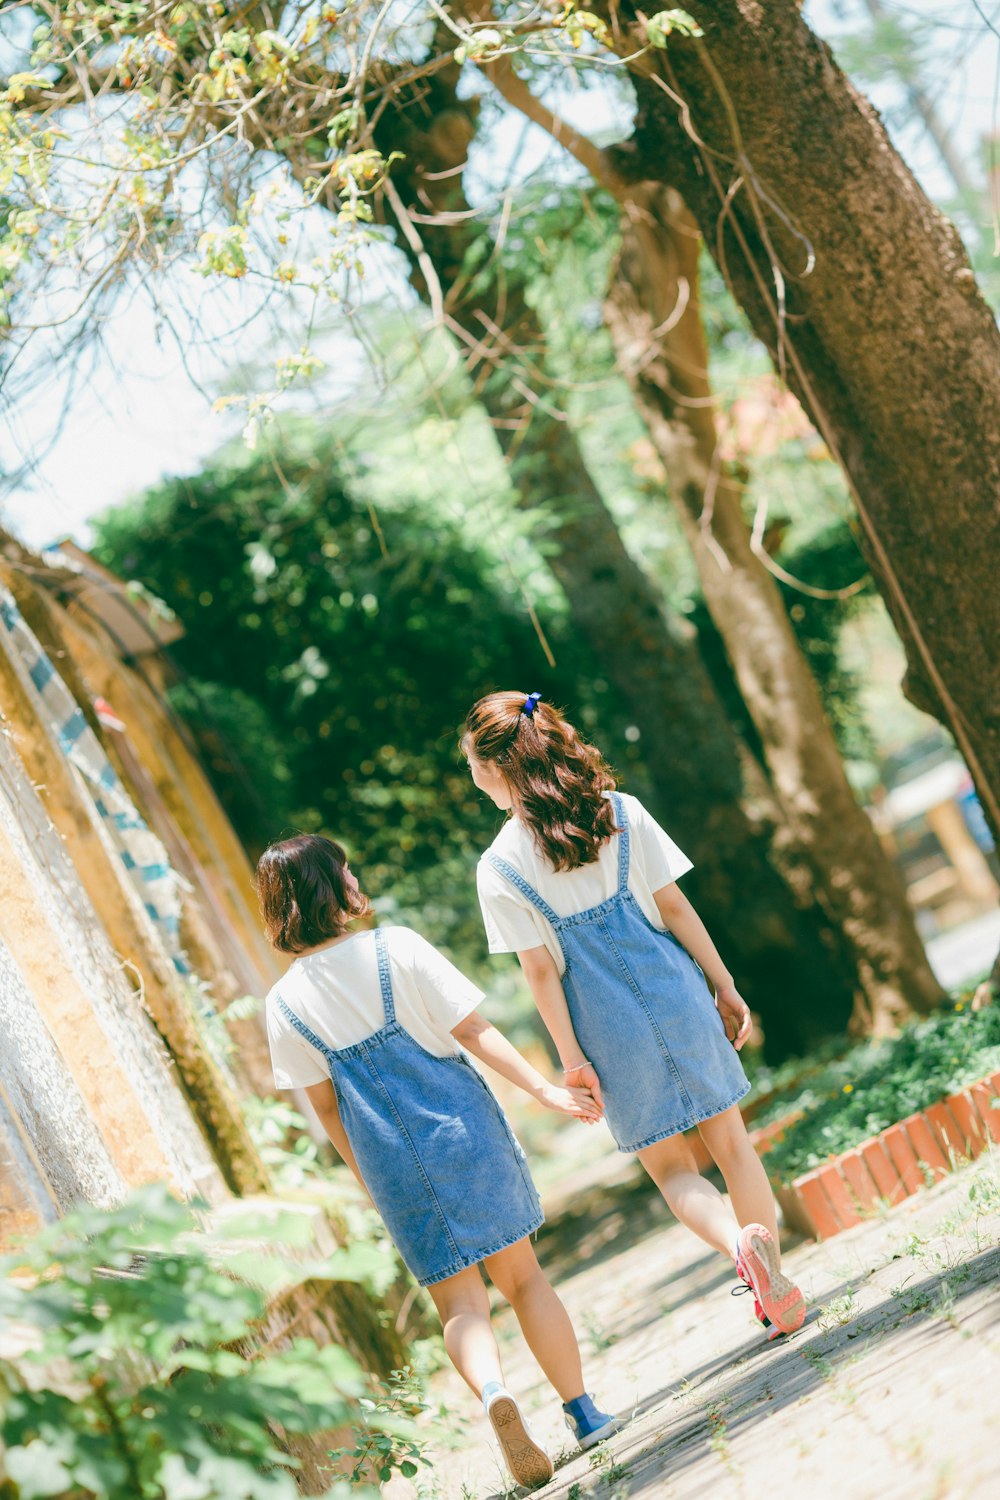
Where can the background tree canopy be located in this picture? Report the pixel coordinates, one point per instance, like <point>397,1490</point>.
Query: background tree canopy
<point>337,650</point>
<point>691,568</point>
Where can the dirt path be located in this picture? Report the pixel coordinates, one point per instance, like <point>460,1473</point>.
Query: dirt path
<point>892,1388</point>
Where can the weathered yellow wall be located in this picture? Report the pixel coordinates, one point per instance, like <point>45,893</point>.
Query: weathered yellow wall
<point>220,928</point>
<point>105,1089</point>
<point>106,1081</point>
<point>144,967</point>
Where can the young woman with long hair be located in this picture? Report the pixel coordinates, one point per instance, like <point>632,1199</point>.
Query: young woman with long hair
<point>580,883</point>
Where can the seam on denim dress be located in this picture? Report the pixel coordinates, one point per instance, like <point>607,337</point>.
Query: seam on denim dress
<point>310,1036</point>
<point>637,992</point>
<point>394,1112</point>
<point>623,842</point>
<point>303,1030</point>
<point>384,979</point>
<point>517,880</point>
<point>689,1123</point>
<point>466,1261</point>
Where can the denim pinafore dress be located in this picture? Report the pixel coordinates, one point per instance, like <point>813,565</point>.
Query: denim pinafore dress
<point>434,1147</point>
<point>642,1013</point>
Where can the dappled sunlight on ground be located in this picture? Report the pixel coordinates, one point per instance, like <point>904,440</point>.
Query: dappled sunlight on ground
<point>890,1389</point>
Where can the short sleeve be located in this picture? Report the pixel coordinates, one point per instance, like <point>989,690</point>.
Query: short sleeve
<point>446,995</point>
<point>512,923</point>
<point>659,858</point>
<point>295,1063</point>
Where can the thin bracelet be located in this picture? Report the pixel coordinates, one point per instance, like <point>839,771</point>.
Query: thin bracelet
<point>576,1066</point>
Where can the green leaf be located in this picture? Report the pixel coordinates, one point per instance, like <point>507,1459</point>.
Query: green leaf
<point>342,126</point>
<point>275,1226</point>
<point>666,22</point>
<point>40,1468</point>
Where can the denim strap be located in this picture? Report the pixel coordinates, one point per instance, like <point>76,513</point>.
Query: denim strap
<point>518,881</point>
<point>384,977</point>
<point>303,1030</point>
<point>622,822</point>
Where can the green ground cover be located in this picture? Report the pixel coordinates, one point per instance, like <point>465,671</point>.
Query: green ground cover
<point>848,1098</point>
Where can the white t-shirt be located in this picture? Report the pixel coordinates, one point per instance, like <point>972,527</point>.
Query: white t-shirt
<point>513,924</point>
<point>337,994</point>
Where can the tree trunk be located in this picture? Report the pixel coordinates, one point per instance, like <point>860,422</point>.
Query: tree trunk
<point>886,341</point>
<point>704,783</point>
<point>653,315</point>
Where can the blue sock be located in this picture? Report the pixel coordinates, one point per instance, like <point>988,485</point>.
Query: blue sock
<point>488,1390</point>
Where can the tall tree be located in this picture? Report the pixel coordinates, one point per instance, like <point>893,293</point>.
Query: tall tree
<point>703,779</point>
<point>654,318</point>
<point>863,293</point>
<point>662,350</point>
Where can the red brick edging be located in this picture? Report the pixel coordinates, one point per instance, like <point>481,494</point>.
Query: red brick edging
<point>893,1164</point>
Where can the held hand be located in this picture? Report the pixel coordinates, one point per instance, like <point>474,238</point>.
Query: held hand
<point>576,1102</point>
<point>735,1014</point>
<point>585,1077</point>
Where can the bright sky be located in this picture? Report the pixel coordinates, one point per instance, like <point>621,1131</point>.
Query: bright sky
<point>144,408</point>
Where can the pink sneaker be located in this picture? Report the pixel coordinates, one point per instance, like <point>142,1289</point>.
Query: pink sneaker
<point>757,1263</point>
<point>771,1331</point>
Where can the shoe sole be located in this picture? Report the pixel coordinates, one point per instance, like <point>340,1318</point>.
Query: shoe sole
<point>770,1284</point>
<point>528,1463</point>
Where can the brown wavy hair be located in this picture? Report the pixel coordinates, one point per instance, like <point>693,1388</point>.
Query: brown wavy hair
<point>556,777</point>
<point>304,898</point>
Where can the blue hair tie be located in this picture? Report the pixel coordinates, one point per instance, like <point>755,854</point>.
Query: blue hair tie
<point>530,703</point>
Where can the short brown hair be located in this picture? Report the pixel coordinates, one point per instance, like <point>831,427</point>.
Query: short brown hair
<point>304,899</point>
<point>557,778</point>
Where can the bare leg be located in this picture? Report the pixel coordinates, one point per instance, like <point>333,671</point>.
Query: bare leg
<point>544,1321</point>
<point>464,1309</point>
<point>728,1144</point>
<point>696,1203</point>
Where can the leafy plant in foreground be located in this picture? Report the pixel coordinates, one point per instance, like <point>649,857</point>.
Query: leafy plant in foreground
<point>383,1442</point>
<point>127,1368</point>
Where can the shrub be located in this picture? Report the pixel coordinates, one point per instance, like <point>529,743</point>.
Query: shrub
<point>127,1366</point>
<point>875,1084</point>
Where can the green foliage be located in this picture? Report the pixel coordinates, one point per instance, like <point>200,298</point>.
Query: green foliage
<point>385,1443</point>
<point>877,1083</point>
<point>334,652</point>
<point>282,1137</point>
<point>127,1370</point>
<point>666,22</point>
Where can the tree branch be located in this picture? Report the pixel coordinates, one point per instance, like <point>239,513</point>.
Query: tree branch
<point>500,72</point>
<point>517,93</point>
